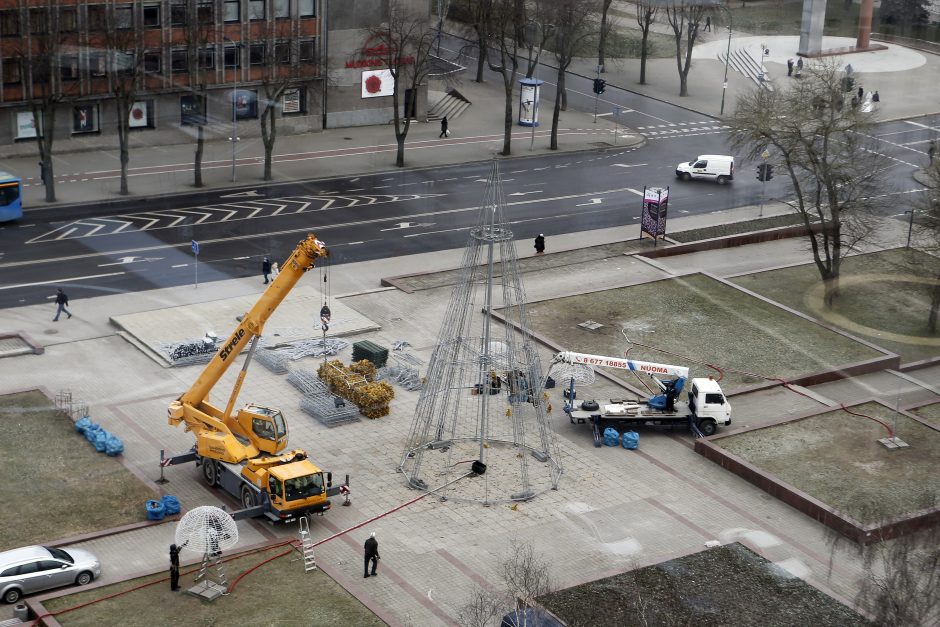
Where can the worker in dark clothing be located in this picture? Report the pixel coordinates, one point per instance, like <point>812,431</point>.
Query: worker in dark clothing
<point>266,269</point>
<point>174,567</point>
<point>539,244</point>
<point>372,554</point>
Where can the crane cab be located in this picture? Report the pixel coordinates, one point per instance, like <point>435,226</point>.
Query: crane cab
<point>265,428</point>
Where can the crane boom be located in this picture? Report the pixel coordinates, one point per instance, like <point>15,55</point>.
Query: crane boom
<point>647,367</point>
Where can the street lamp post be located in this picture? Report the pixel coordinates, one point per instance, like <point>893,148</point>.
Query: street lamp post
<point>724,85</point>
<point>234,101</point>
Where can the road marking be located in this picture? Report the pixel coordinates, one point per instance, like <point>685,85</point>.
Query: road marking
<point>538,191</point>
<point>629,165</point>
<point>634,191</point>
<point>61,281</point>
<point>593,201</point>
<point>251,192</point>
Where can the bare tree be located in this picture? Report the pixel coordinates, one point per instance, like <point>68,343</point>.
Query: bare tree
<point>482,608</point>
<point>645,16</point>
<point>200,54</point>
<point>836,178</point>
<point>505,34</point>
<point>685,17</point>
<point>124,61</point>
<point>477,13</point>
<point>537,29</point>
<point>602,36</point>
<point>406,42</point>
<point>928,231</point>
<point>41,56</point>
<point>575,27</point>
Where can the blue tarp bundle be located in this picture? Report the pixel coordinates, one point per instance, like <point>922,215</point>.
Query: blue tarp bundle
<point>103,441</point>
<point>171,505</point>
<point>631,440</point>
<point>155,510</point>
<point>611,436</point>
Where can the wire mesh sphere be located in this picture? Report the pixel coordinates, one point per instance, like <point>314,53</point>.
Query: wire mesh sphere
<point>581,373</point>
<point>206,529</point>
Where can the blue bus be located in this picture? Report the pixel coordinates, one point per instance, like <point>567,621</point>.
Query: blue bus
<point>11,197</point>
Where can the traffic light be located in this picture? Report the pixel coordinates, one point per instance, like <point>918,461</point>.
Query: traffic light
<point>599,85</point>
<point>765,172</point>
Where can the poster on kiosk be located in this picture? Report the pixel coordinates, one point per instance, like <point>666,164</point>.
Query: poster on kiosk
<point>529,92</point>
<point>653,220</point>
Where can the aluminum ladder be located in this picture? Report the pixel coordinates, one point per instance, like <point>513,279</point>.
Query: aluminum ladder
<point>306,544</point>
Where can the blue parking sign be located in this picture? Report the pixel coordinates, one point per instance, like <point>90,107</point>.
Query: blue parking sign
<point>195,247</point>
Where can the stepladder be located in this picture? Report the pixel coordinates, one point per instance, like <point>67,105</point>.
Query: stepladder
<point>306,545</point>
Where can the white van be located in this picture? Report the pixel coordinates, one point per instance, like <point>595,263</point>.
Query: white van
<point>718,168</point>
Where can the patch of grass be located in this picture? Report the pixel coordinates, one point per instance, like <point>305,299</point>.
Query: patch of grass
<point>695,318</point>
<point>884,298</point>
<point>783,18</point>
<point>930,413</point>
<point>835,457</point>
<point>277,593</point>
<point>728,585</point>
<point>736,228</point>
<point>61,486</point>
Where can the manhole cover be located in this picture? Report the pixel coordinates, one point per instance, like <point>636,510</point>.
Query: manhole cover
<point>590,325</point>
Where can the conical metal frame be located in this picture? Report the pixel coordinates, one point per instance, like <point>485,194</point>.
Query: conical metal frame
<point>461,416</point>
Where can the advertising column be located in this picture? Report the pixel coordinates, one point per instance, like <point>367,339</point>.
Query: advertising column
<point>529,93</point>
<point>653,219</point>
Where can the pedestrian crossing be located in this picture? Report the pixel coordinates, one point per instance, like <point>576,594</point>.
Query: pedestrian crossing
<point>680,128</point>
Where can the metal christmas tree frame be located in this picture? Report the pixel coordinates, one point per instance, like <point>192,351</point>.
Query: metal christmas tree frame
<point>483,397</point>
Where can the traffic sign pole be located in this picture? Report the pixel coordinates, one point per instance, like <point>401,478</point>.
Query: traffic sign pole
<point>196,254</point>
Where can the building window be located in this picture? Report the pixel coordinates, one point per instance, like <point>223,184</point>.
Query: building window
<point>233,56</point>
<point>85,119</point>
<point>308,8</point>
<point>38,19</point>
<point>232,11</point>
<point>204,12</point>
<point>281,9</point>
<point>246,103</point>
<point>192,110</point>
<point>97,17</point>
<point>141,115</point>
<point>12,72</point>
<point>179,61</point>
<point>97,63</point>
<point>207,58</point>
<point>256,54</point>
<point>124,17</point>
<point>292,102</point>
<point>152,61</point>
<point>282,53</point>
<point>68,20</point>
<point>9,23</point>
<point>178,13</point>
<point>256,9</point>
<point>68,67</point>
<point>308,50</point>
<point>152,16</point>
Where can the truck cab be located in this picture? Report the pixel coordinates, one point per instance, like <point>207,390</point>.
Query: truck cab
<point>718,168</point>
<point>708,402</point>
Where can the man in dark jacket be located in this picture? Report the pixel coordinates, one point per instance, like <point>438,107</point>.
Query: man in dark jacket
<point>372,554</point>
<point>266,269</point>
<point>540,244</point>
<point>62,301</point>
<point>174,568</point>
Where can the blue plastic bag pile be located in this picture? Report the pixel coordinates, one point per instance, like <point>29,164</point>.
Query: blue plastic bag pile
<point>630,440</point>
<point>167,506</point>
<point>103,441</point>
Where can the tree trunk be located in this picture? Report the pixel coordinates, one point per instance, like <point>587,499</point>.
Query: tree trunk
<point>559,94</point>
<point>197,163</point>
<point>481,56</point>
<point>123,131</point>
<point>507,126</point>
<point>643,54</point>
<point>268,136</point>
<point>602,40</point>
<point>400,152</point>
<point>683,84</point>
<point>44,142</point>
<point>934,306</point>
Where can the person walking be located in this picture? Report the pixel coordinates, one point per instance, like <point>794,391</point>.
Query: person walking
<point>62,301</point>
<point>371,555</point>
<point>266,269</point>
<point>861,93</point>
<point>790,67</point>
<point>275,270</point>
<point>540,244</point>
<point>174,567</point>
<point>875,97</point>
<point>42,173</point>
<point>932,150</point>
<point>708,23</point>
<point>444,131</point>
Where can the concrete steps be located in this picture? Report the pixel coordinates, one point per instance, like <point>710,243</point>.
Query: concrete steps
<point>744,63</point>
<point>451,105</point>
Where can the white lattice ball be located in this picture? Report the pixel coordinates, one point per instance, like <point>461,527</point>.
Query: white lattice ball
<point>206,529</point>
<point>581,373</point>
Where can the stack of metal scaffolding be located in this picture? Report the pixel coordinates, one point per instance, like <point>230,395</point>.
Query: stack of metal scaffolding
<point>483,393</point>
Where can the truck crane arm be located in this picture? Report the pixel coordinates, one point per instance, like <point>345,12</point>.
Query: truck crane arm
<point>220,435</point>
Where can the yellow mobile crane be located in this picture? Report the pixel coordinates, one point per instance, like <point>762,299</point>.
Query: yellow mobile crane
<point>243,452</point>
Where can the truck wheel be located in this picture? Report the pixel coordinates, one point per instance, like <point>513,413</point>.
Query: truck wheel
<point>686,176</point>
<point>721,180</point>
<point>210,472</point>
<point>707,426</point>
<point>248,497</point>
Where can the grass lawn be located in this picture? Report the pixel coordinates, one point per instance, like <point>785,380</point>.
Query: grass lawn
<point>930,413</point>
<point>695,318</point>
<point>278,593</point>
<point>62,486</point>
<point>728,585</point>
<point>884,298</point>
<point>835,457</point>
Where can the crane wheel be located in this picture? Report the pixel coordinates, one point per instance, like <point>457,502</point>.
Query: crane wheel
<point>248,497</point>
<point>210,472</point>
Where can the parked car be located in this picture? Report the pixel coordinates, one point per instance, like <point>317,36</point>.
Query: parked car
<point>36,568</point>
